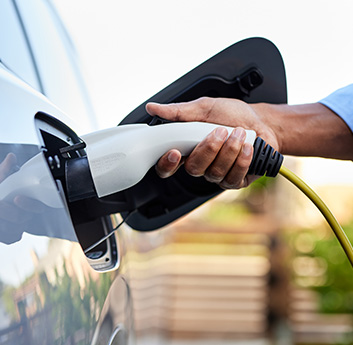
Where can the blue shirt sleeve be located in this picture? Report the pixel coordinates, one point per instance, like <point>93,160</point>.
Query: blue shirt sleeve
<point>341,102</point>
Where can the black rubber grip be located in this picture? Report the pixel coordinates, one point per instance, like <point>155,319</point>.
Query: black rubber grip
<point>266,160</point>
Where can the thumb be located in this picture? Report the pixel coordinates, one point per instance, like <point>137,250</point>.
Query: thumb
<point>197,110</point>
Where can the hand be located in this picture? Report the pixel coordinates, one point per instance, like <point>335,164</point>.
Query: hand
<point>220,160</point>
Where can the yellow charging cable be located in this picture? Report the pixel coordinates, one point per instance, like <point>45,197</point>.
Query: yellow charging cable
<point>332,221</point>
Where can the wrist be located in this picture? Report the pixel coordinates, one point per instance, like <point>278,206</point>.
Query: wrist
<point>269,125</point>
<point>305,130</point>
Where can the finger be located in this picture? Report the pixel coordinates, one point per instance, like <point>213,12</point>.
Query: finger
<point>236,178</point>
<point>197,110</point>
<point>169,163</point>
<point>8,166</point>
<point>29,205</point>
<point>227,156</point>
<point>205,153</point>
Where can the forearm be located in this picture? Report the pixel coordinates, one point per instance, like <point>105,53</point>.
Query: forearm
<point>307,130</point>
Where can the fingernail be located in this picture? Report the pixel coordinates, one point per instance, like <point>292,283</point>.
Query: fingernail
<point>173,157</point>
<point>239,133</point>
<point>247,148</point>
<point>221,133</point>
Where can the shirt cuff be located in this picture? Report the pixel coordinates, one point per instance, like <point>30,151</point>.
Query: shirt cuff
<point>341,102</point>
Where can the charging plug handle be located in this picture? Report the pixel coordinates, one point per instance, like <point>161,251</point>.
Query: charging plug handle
<point>266,160</point>
<point>118,158</point>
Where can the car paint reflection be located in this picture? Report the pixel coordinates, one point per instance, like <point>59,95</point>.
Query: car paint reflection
<point>59,300</point>
<point>48,292</point>
<point>29,199</point>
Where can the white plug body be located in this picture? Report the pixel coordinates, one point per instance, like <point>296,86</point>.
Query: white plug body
<point>120,157</point>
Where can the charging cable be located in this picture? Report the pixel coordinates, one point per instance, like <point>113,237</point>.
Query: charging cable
<point>119,157</point>
<point>268,161</point>
<point>330,218</point>
<point>310,193</point>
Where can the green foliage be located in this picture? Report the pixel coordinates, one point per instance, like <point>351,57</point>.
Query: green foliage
<point>73,307</point>
<point>334,282</point>
<point>337,292</point>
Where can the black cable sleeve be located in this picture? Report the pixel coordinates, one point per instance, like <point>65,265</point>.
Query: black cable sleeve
<point>266,160</point>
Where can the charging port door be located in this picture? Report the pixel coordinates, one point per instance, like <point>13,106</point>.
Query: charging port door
<point>251,70</point>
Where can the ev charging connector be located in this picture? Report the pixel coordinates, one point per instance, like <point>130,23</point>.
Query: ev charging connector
<point>119,157</point>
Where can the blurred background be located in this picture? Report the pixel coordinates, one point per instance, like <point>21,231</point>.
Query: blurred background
<point>257,266</point>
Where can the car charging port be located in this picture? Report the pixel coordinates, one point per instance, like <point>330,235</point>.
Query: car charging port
<point>65,152</point>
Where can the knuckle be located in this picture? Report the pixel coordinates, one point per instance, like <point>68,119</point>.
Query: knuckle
<point>212,146</point>
<point>243,164</point>
<point>234,148</point>
<point>214,174</point>
<point>234,182</point>
<point>193,169</point>
<point>161,173</point>
<point>206,105</point>
<point>204,102</point>
<point>225,185</point>
<point>231,185</point>
<point>164,168</point>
